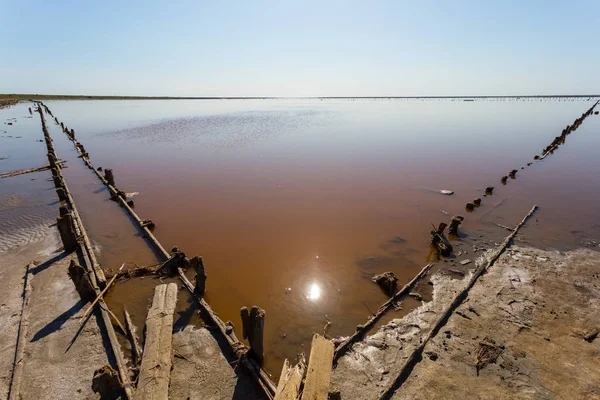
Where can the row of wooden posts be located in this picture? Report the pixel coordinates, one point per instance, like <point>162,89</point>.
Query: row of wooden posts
<point>74,237</point>
<point>253,320</point>
<point>438,239</point>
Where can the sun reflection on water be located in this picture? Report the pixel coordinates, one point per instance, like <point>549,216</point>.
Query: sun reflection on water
<point>314,292</point>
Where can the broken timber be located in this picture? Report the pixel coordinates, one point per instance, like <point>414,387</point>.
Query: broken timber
<point>26,171</point>
<point>155,368</point>
<point>291,379</point>
<point>363,329</point>
<point>413,359</point>
<point>318,375</point>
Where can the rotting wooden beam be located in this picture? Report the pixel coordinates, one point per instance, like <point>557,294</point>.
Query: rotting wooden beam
<point>291,379</point>
<point>64,223</point>
<point>318,375</point>
<point>416,355</point>
<point>26,171</point>
<point>155,368</point>
<point>361,330</point>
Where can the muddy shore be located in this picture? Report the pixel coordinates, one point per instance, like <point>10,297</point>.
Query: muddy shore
<point>520,334</point>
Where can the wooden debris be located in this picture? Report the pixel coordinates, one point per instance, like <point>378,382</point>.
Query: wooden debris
<point>291,379</point>
<point>316,386</point>
<point>85,314</point>
<point>63,209</point>
<point>65,229</point>
<point>416,296</point>
<point>147,223</point>
<point>155,369</point>
<point>62,195</point>
<point>109,176</point>
<point>198,265</point>
<point>107,384</point>
<point>454,223</point>
<point>446,192</point>
<point>487,353</point>
<point>439,240</point>
<point>505,227</point>
<point>387,281</point>
<point>465,262</point>
<point>82,282</point>
<point>133,272</point>
<point>591,335</point>
<point>175,261</point>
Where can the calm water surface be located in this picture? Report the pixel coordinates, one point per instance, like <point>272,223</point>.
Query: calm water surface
<point>295,204</point>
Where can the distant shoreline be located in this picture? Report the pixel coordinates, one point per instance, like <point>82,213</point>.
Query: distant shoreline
<point>84,97</point>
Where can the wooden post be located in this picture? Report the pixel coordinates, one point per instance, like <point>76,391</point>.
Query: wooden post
<point>62,196</point>
<point>316,386</point>
<point>52,160</point>
<point>257,324</point>
<point>198,265</point>
<point>253,328</point>
<point>63,209</point>
<point>155,369</point>
<point>454,223</point>
<point>110,178</point>
<point>65,228</point>
<point>245,321</point>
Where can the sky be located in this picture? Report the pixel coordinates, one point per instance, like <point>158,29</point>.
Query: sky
<point>300,48</point>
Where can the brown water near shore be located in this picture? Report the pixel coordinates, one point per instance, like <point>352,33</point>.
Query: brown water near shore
<point>295,204</point>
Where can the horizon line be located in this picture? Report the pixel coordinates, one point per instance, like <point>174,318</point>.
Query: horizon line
<point>26,96</point>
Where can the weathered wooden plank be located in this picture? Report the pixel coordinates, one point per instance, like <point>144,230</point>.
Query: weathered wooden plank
<point>316,386</point>
<point>155,369</point>
<point>290,380</point>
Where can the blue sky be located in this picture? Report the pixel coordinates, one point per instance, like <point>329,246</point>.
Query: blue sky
<point>300,48</point>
